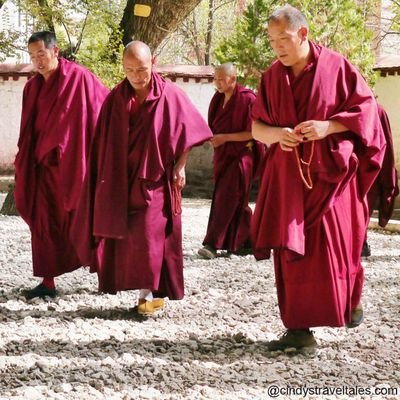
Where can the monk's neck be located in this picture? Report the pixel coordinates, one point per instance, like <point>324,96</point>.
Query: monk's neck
<point>302,62</point>
<point>228,95</point>
<point>51,71</point>
<point>141,95</point>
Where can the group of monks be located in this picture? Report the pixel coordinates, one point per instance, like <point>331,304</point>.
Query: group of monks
<point>99,175</point>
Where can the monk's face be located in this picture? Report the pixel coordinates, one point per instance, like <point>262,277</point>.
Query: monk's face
<point>138,71</point>
<point>289,44</point>
<point>44,60</point>
<point>223,82</point>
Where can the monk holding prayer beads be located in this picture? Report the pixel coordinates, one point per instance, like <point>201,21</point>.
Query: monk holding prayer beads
<point>320,120</point>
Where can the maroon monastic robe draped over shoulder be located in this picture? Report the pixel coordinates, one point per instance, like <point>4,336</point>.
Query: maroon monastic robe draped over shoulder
<point>234,165</point>
<point>317,234</point>
<point>57,126</point>
<point>383,192</point>
<point>128,201</point>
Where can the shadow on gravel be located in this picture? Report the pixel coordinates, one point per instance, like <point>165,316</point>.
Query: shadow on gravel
<point>222,350</point>
<point>16,294</point>
<point>7,315</point>
<point>171,367</point>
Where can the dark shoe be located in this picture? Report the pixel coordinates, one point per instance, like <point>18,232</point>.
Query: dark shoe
<point>39,291</point>
<point>293,338</point>
<point>366,250</point>
<point>357,317</point>
<point>244,251</point>
<point>207,252</point>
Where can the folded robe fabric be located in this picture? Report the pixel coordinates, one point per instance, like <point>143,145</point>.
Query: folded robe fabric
<point>317,234</point>
<point>117,195</point>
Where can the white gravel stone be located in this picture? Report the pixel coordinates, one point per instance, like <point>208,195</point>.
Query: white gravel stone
<point>210,345</point>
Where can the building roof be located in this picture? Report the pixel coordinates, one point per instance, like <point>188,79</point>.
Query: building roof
<point>186,72</point>
<point>15,71</point>
<point>388,64</point>
<point>172,72</point>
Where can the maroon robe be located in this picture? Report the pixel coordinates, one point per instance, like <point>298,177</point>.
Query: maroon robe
<point>317,234</point>
<point>234,164</point>
<point>127,205</point>
<point>57,125</point>
<point>383,192</point>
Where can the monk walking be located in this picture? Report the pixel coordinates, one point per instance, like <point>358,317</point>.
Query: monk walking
<point>59,112</point>
<point>235,156</point>
<point>320,119</point>
<point>131,207</point>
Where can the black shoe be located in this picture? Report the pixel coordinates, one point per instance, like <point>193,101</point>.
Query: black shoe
<point>39,291</point>
<point>208,252</point>
<point>293,338</point>
<point>243,251</point>
<point>366,250</point>
<point>357,317</point>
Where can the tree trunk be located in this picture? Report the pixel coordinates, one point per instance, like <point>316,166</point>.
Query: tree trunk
<point>9,203</point>
<point>46,15</point>
<point>164,19</point>
<point>210,25</point>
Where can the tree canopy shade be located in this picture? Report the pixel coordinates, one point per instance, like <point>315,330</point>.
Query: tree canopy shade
<point>164,18</point>
<point>94,31</point>
<point>340,25</point>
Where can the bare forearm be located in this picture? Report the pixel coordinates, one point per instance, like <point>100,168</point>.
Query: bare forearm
<point>265,133</point>
<point>242,136</point>
<point>182,159</point>
<point>336,127</point>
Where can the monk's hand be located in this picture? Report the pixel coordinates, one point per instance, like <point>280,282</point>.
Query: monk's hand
<point>179,176</point>
<point>313,130</point>
<point>289,139</point>
<point>218,140</point>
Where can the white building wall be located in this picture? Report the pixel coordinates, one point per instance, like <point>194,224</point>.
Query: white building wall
<point>10,116</point>
<point>387,90</point>
<point>200,93</point>
<point>13,20</point>
<point>200,162</point>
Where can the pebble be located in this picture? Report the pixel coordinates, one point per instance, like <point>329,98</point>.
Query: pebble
<point>210,345</point>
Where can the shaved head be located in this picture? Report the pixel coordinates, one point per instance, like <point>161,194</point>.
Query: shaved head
<point>228,68</point>
<point>137,49</point>
<point>138,65</point>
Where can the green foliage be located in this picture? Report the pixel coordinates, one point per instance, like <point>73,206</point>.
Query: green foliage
<point>191,43</point>
<point>248,47</point>
<point>85,30</point>
<point>340,25</point>
<point>7,47</point>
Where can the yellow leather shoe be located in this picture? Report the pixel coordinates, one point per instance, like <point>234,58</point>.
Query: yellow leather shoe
<point>149,307</point>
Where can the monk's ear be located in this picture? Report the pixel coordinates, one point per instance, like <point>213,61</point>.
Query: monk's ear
<point>303,33</point>
<point>153,60</point>
<point>56,51</point>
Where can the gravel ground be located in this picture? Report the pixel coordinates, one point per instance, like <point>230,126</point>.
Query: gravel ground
<point>211,345</point>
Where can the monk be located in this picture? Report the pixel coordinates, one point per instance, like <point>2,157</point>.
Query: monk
<point>229,117</point>
<point>320,119</point>
<point>131,208</point>
<point>60,107</point>
<point>385,189</point>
